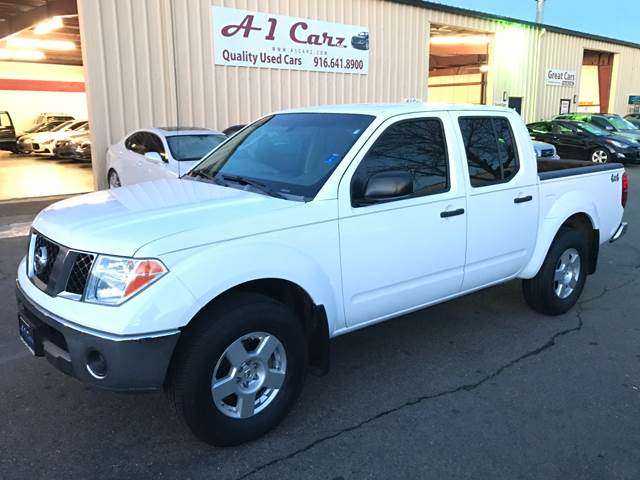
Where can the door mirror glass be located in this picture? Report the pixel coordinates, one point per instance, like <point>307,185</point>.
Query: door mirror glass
<point>387,185</point>
<point>153,157</point>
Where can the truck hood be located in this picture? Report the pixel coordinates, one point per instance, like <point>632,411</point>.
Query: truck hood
<point>123,220</point>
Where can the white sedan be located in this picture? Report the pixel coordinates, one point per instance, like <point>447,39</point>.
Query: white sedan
<point>44,142</point>
<point>152,153</point>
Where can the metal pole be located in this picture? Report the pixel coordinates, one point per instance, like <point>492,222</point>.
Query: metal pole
<point>540,11</point>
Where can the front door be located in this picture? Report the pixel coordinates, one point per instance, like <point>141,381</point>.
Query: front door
<point>401,253</point>
<point>502,202</point>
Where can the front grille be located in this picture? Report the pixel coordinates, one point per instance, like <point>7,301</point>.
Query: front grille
<point>80,273</point>
<point>35,146</point>
<point>547,152</point>
<point>55,269</point>
<point>44,257</point>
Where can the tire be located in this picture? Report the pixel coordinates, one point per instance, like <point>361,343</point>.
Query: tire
<point>199,364</point>
<point>113,179</point>
<point>544,293</point>
<point>600,155</point>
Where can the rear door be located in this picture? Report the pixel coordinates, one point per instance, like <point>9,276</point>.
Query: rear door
<point>502,203</point>
<point>568,142</point>
<point>7,132</point>
<point>405,252</point>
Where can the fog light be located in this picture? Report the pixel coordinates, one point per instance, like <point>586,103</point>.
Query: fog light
<point>96,364</point>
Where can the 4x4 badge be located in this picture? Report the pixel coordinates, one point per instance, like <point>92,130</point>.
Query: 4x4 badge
<point>615,177</point>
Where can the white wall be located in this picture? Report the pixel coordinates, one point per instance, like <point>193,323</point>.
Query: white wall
<point>25,105</point>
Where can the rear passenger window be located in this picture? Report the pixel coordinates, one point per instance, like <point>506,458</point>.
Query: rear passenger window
<point>491,151</point>
<point>414,146</point>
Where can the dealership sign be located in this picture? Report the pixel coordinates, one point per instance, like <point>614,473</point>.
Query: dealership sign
<point>562,78</point>
<point>252,39</point>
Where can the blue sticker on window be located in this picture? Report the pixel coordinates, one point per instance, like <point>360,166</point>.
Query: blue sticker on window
<point>331,158</point>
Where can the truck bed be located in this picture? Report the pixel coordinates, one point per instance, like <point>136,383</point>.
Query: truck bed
<point>548,169</point>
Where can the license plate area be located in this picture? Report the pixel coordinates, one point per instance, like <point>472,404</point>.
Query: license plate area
<point>29,336</point>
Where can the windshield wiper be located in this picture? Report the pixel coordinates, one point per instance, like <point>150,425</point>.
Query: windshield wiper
<point>253,183</point>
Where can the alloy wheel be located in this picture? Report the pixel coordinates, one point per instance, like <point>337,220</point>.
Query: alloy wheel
<point>599,156</point>
<point>567,273</point>
<point>249,375</point>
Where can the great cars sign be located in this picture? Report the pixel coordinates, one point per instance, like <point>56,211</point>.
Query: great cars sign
<point>562,78</point>
<point>253,39</point>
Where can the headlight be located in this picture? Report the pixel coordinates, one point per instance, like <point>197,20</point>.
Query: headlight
<point>618,144</point>
<point>115,279</point>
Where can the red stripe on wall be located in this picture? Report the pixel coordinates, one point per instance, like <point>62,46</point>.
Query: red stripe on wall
<point>40,85</point>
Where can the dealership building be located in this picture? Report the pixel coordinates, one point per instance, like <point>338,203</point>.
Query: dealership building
<point>217,63</point>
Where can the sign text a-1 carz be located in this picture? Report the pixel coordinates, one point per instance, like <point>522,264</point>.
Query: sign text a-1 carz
<point>255,39</point>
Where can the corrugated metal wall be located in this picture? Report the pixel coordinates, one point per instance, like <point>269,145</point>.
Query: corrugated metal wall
<point>134,74</point>
<point>566,52</point>
<point>150,62</point>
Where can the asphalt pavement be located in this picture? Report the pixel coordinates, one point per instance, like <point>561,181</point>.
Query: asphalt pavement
<point>481,387</point>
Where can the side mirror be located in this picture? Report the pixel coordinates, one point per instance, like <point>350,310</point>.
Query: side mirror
<point>153,157</point>
<point>387,185</point>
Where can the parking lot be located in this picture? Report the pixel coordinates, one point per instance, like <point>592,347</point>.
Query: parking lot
<point>25,176</point>
<point>480,387</point>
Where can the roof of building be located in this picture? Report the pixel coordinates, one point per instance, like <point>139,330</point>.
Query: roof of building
<point>477,14</point>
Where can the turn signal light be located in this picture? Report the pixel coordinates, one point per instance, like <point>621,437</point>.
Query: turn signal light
<point>145,272</point>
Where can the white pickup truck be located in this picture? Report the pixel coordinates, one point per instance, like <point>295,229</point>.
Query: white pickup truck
<point>224,286</point>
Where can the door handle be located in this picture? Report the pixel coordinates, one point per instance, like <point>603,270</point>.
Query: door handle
<point>452,213</point>
<point>528,198</point>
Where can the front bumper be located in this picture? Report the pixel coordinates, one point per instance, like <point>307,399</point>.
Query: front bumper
<point>133,362</point>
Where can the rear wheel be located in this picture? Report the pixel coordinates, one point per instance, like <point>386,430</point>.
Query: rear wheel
<point>559,283</point>
<point>238,370</point>
<point>113,179</point>
<point>600,155</point>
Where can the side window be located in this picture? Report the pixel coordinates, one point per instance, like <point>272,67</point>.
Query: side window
<point>416,147</point>
<point>539,128</point>
<point>4,120</point>
<point>154,144</point>
<point>135,143</point>
<point>492,155</point>
<point>561,129</point>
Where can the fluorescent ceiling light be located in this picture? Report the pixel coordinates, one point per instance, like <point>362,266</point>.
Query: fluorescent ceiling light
<point>31,43</point>
<point>462,39</point>
<point>9,54</point>
<point>484,68</point>
<point>48,25</point>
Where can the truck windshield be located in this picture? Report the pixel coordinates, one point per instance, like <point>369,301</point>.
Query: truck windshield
<point>291,155</point>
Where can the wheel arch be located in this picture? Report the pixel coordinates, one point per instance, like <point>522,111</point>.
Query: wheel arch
<point>582,221</point>
<point>312,316</point>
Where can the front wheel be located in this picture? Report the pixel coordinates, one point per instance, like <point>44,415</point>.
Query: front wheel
<point>600,155</point>
<point>559,283</point>
<point>238,370</point>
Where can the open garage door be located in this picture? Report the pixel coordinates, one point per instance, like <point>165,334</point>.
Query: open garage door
<point>45,144</point>
<point>458,65</point>
<point>595,82</point>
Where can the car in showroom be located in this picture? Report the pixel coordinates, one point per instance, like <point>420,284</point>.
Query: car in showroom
<point>610,122</point>
<point>545,151</point>
<point>152,153</point>
<point>8,139</point>
<point>23,144</point>
<point>75,147</point>
<point>225,286</point>
<point>633,118</point>
<point>45,142</point>
<point>584,141</point>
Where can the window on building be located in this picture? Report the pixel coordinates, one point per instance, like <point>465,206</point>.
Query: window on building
<point>491,151</point>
